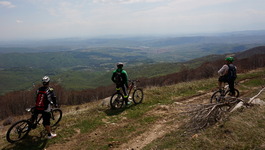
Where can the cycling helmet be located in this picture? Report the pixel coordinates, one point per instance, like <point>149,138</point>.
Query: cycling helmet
<point>119,64</point>
<point>231,59</point>
<point>45,80</point>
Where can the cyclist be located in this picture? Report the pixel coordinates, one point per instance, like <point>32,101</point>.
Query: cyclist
<point>120,78</point>
<point>45,97</point>
<point>228,75</point>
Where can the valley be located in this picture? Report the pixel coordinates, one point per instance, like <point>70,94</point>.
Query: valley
<point>80,64</point>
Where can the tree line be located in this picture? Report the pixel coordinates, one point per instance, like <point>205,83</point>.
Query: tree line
<point>14,103</point>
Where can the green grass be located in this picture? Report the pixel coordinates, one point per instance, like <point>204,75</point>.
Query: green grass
<point>96,127</point>
<point>254,82</point>
<point>136,116</point>
<point>242,130</point>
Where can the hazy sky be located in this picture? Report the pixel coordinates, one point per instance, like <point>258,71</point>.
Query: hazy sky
<point>87,18</point>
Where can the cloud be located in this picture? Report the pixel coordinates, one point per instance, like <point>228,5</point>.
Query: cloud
<point>67,10</point>
<point>19,21</point>
<point>127,1</point>
<point>7,4</point>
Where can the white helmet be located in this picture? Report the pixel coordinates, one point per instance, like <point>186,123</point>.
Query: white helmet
<point>45,80</point>
<point>119,64</point>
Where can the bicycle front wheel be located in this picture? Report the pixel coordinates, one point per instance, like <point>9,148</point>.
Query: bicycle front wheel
<point>216,97</point>
<point>56,116</point>
<point>116,101</point>
<point>18,131</point>
<point>138,96</point>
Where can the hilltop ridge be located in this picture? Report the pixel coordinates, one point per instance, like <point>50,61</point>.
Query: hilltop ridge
<point>158,122</point>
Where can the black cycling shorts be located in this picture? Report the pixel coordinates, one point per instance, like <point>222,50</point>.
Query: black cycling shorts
<point>223,79</point>
<point>46,116</point>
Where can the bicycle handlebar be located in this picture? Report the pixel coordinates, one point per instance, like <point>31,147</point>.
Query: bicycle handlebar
<point>134,80</point>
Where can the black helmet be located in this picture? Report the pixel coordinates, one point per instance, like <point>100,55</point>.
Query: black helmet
<point>119,64</point>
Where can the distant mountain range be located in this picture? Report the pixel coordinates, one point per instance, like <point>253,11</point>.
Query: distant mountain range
<point>86,63</point>
<point>141,42</point>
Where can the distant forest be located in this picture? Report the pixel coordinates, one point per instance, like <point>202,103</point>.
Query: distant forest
<point>14,103</point>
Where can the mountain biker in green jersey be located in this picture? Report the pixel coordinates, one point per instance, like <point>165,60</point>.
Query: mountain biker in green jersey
<point>120,78</point>
<point>228,74</point>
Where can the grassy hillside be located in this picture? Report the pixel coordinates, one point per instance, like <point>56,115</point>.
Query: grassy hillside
<point>157,123</point>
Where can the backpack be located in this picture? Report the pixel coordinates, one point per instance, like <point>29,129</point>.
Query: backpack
<point>118,77</point>
<point>231,75</point>
<point>41,100</point>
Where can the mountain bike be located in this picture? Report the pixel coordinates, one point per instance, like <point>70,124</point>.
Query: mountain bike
<point>20,129</point>
<point>220,95</point>
<point>117,99</point>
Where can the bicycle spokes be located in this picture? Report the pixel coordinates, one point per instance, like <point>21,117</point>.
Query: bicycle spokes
<point>18,131</point>
<point>56,116</point>
<point>138,96</point>
<point>118,101</point>
<point>22,129</point>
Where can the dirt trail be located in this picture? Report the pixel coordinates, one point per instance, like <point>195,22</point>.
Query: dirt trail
<point>162,127</point>
<point>156,130</point>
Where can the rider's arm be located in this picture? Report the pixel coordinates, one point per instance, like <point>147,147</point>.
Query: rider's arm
<point>223,71</point>
<point>126,78</point>
<point>36,95</point>
<point>52,97</point>
<point>113,75</point>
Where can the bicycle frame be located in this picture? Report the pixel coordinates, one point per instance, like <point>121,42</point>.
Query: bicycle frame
<point>117,99</point>
<point>20,129</point>
<point>36,121</point>
<point>131,86</point>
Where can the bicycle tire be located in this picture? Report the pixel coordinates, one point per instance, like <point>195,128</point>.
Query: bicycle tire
<point>236,93</point>
<point>225,107</point>
<point>18,131</point>
<point>138,96</point>
<point>56,117</point>
<point>215,98</point>
<point>116,101</point>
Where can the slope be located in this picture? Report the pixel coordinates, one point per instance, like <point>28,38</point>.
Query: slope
<point>154,124</point>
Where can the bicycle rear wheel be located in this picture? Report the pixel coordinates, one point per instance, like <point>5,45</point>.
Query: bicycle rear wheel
<point>56,116</point>
<point>138,96</point>
<point>225,107</point>
<point>216,97</point>
<point>229,93</point>
<point>116,101</point>
<point>18,131</point>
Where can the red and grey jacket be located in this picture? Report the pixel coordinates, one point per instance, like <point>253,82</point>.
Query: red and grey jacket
<point>44,98</point>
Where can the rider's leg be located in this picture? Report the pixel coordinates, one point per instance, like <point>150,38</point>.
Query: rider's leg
<point>221,82</point>
<point>46,123</point>
<point>124,88</point>
<point>118,88</point>
<point>232,87</point>
<point>220,85</point>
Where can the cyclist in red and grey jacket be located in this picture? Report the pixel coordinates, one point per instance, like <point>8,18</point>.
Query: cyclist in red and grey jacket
<point>44,98</point>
